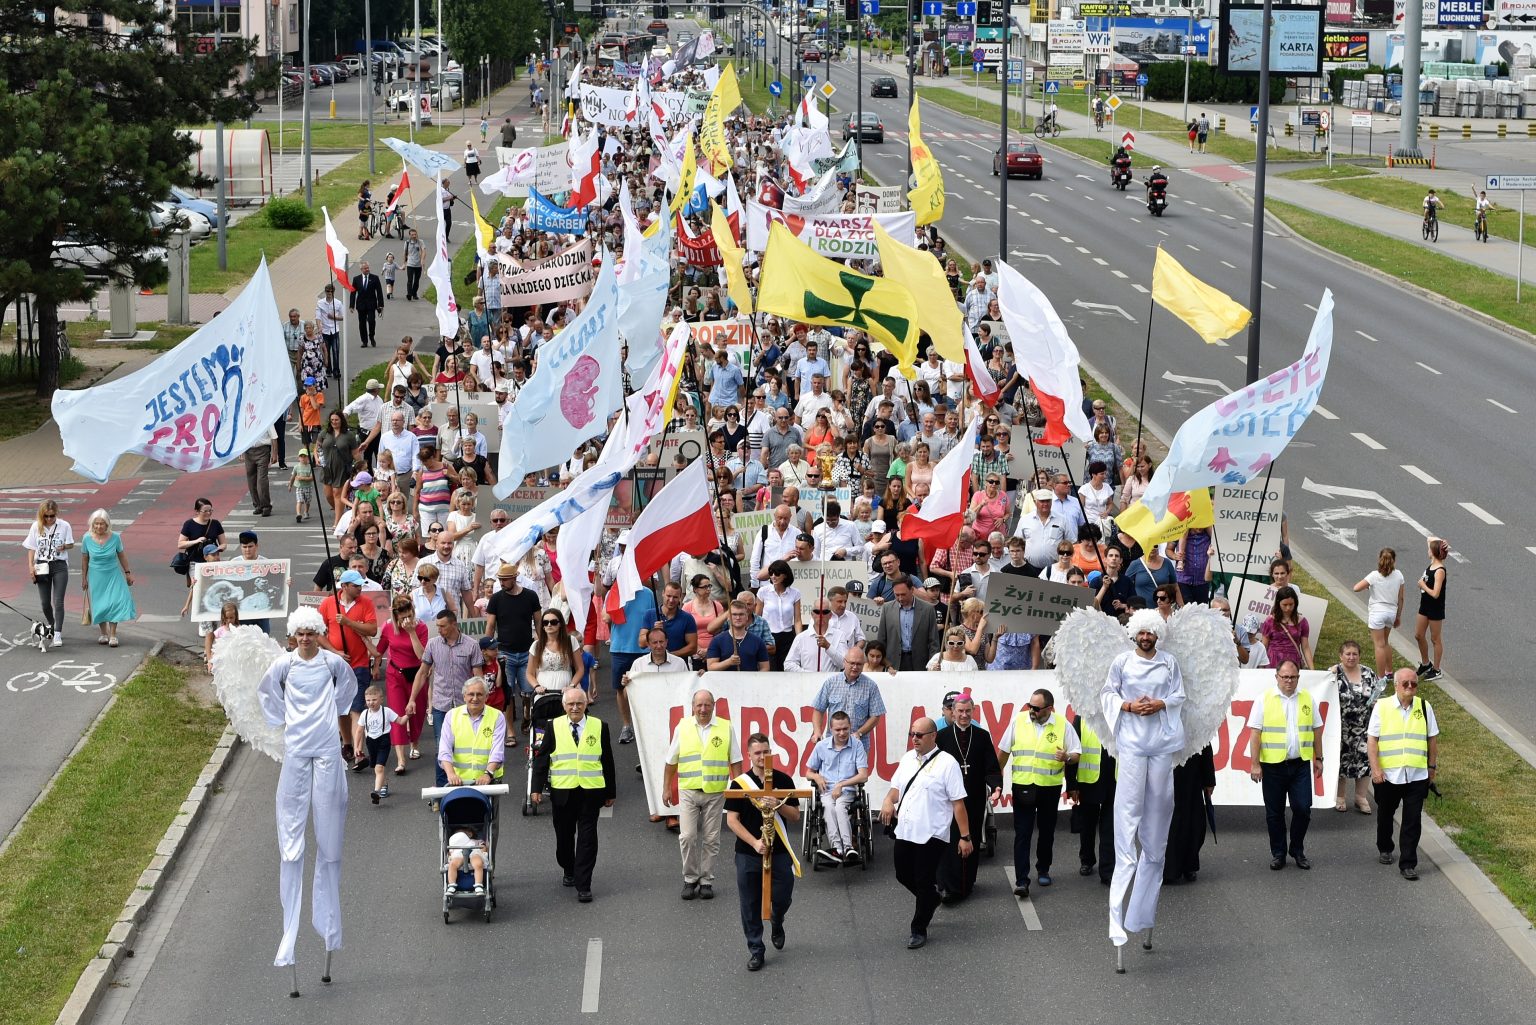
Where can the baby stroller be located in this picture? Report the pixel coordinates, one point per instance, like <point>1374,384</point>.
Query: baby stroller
<point>546,706</point>
<point>468,807</point>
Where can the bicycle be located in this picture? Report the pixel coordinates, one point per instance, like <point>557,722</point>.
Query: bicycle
<point>1098,120</point>
<point>1480,226</point>
<point>1047,125</point>
<point>1431,225</point>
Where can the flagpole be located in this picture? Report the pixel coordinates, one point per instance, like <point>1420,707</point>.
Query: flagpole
<point>1073,482</point>
<point>1252,538</point>
<point>346,271</point>
<point>1216,547</point>
<point>1146,358</point>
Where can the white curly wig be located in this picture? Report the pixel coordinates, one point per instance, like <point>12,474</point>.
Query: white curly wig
<point>307,619</point>
<point>1149,620</point>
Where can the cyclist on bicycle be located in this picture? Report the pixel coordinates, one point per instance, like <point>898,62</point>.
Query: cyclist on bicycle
<point>1098,112</point>
<point>1432,204</point>
<point>1480,217</point>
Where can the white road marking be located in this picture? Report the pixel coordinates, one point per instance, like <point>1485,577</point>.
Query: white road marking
<point>1247,224</point>
<point>1367,337</point>
<point>1415,471</point>
<point>1161,232</point>
<point>1050,229</point>
<point>1310,307</point>
<point>1482,514</point>
<point>965,156</point>
<point>1431,369</point>
<point>1071,241</point>
<point>1140,288</point>
<point>1034,220</point>
<point>592,981</point>
<point>1101,261</point>
<point>1501,405</point>
<point>1233,266</point>
<point>1012,207</point>
<point>605,812</point>
<point>1189,202</point>
<point>1241,359</point>
<point>1268,285</point>
<point>1188,246</point>
<point>1324,413</point>
<point>1229,217</point>
<point>1080,249</point>
<point>1119,273</point>
<point>1026,906</point>
<point>1136,219</point>
<point>1531,549</point>
<point>1368,441</point>
<point>1069,188</point>
<point>1208,209</point>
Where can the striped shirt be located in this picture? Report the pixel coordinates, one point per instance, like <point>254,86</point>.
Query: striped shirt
<point>433,488</point>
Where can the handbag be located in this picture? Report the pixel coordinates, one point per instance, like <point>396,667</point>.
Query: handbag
<point>890,829</point>
<point>181,562</point>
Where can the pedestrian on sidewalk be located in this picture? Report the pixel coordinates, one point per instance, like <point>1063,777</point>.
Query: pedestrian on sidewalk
<point>367,299</point>
<point>328,316</point>
<point>258,464</point>
<point>48,543</point>
<point>1202,130</point>
<point>508,133</point>
<point>412,266</point>
<point>1194,130</point>
<point>388,272</point>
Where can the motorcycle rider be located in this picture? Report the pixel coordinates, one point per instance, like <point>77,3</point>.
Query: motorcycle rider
<point>1119,164</point>
<point>1157,187</point>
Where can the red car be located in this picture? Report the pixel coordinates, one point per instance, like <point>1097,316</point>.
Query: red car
<point>1023,159</point>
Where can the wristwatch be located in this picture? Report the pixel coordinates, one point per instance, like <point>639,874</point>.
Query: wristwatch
<point>966,837</point>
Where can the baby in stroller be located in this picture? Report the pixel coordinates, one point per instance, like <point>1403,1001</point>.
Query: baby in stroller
<point>464,846</point>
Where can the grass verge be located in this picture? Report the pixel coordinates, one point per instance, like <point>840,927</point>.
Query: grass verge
<point>1402,194</point>
<point>326,134</point>
<point>1460,282</point>
<point>1324,173</point>
<point>114,800</point>
<point>21,411</point>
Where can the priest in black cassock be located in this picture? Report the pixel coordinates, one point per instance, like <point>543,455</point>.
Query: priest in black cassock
<point>1192,784</point>
<point>972,747</point>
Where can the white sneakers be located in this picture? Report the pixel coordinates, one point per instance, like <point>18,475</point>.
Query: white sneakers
<point>58,639</point>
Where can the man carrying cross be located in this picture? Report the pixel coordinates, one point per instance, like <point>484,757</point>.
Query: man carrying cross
<point>766,866</point>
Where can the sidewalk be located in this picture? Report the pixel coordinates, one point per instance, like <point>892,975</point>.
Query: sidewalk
<point>297,279</point>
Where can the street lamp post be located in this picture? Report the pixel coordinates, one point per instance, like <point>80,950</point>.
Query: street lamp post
<point>309,178</point>
<point>908,49</point>
<point>1002,150</point>
<point>218,154</point>
<point>373,167</point>
<point>1256,261</point>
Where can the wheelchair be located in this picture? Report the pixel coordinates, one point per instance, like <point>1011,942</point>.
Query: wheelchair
<point>813,829</point>
<point>988,833</point>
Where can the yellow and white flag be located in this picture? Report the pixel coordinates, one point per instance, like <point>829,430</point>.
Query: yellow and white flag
<point>725,98</point>
<point>730,258</point>
<point>1210,312</point>
<point>922,275</point>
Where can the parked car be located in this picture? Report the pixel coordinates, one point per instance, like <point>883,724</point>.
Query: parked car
<point>1023,159</point>
<point>167,217</point>
<point>870,127</point>
<point>95,261</point>
<point>339,71</point>
<point>321,74</point>
<point>187,201</point>
<point>884,85</point>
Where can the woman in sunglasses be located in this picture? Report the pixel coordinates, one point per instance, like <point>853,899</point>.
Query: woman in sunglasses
<point>1057,571</point>
<point>554,663</point>
<point>990,506</point>
<point>953,658</point>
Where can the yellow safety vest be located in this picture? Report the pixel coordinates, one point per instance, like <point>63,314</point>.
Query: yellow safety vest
<point>472,752</point>
<point>571,767</point>
<point>1408,745</point>
<point>1088,762</point>
<point>1272,736</point>
<point>704,765</point>
<point>1038,765</point>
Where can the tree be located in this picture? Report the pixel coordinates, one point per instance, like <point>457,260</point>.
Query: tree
<point>89,141</point>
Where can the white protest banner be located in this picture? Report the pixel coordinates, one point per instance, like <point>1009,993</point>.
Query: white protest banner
<point>723,332</point>
<point>780,705</point>
<point>1068,459</point>
<point>569,274</point>
<point>259,587</point>
<point>1244,542</point>
<point>881,199</point>
<point>840,236</point>
<point>689,444</point>
<point>867,609</point>
<point>616,107</point>
<point>1251,598</point>
<point>745,523</point>
<point>549,167</point>
<point>812,576</point>
<point>486,419</point>
<point>196,407</point>
<point>1031,604</point>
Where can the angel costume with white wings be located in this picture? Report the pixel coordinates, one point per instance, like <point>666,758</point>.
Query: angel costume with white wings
<point>1190,667</point>
<point>286,706</point>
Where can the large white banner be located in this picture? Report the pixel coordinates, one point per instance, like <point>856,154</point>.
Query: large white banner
<point>546,168</point>
<point>569,274</point>
<point>616,108</point>
<point>198,406</point>
<point>779,705</point>
<point>840,236</point>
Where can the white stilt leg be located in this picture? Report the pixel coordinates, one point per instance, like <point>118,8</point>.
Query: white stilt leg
<point>326,978</point>
<point>1119,960</point>
<point>1146,941</point>
<point>294,969</point>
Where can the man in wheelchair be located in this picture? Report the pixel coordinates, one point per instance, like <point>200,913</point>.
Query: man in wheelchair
<point>838,767</point>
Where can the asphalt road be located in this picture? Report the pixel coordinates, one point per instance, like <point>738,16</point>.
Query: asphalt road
<point>1422,432</point>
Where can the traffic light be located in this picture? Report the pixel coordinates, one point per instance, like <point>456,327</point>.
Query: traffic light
<point>851,10</point>
<point>659,11</point>
<point>716,12</point>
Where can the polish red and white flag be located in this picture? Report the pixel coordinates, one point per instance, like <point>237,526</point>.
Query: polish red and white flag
<point>976,370</point>
<point>335,252</point>
<point>939,519</point>
<point>679,519</point>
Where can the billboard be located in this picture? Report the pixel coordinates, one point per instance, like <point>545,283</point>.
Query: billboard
<point>1346,46</point>
<point>1150,39</point>
<point>1461,13</point>
<point>1295,39</point>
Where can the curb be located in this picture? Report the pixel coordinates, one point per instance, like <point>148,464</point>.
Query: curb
<point>99,973</point>
<point>86,735</point>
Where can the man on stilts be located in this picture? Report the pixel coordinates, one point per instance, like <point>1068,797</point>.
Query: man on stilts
<point>304,692</point>
<point>1142,699</point>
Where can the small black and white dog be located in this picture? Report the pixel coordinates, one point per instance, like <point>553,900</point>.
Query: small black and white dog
<point>41,634</point>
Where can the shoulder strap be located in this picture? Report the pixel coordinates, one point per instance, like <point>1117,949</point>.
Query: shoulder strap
<point>908,788</point>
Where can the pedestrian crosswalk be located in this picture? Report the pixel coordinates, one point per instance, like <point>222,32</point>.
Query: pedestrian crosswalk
<point>123,500</point>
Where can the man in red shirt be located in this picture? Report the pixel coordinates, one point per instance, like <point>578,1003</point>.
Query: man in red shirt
<point>350,622</point>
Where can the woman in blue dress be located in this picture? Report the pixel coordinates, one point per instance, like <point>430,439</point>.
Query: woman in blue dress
<point>106,578</point>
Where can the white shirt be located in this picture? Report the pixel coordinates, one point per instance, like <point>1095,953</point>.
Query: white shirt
<point>926,813</point>
<point>672,751</point>
<point>779,609</point>
<point>1403,773</point>
<point>1292,713</point>
<point>774,546</point>
<point>1040,538</point>
<point>306,699</point>
<point>1384,591</point>
<point>831,539</point>
<point>809,404</point>
<point>402,449</point>
<point>367,407</point>
<point>847,628</point>
<point>1095,503</point>
<point>802,657</point>
<point>328,316</point>
<point>48,544</point>
<point>1131,677</point>
<point>674,664</point>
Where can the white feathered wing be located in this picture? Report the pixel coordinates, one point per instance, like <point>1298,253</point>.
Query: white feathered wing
<point>241,658</point>
<point>1201,639</point>
<point>1083,648</point>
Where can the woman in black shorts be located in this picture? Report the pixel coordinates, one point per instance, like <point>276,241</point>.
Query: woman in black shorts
<point>1426,629</point>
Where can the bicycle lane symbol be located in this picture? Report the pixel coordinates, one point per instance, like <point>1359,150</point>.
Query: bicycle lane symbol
<point>82,677</point>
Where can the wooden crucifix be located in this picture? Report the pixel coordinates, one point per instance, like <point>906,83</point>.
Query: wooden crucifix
<point>764,800</point>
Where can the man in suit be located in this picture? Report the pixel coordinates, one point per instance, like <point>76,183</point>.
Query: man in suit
<point>575,756</point>
<point>368,300</point>
<point>909,628</point>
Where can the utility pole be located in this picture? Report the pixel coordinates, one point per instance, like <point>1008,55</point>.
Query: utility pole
<point>309,178</point>
<point>368,72</point>
<point>218,154</point>
<point>1408,127</point>
<point>1002,152</point>
<point>1256,276</point>
<point>416,73</point>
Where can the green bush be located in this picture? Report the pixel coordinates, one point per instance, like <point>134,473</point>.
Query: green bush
<point>1165,81</point>
<point>289,214</point>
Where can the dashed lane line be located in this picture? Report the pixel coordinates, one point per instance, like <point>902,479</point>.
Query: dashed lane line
<point>1500,405</point>
<point>1362,334</point>
<point>1026,906</point>
<point>1139,287</point>
<point>1101,261</point>
<point>1368,441</point>
<point>1482,514</point>
<point>1231,266</point>
<point>1431,369</point>
<point>1420,474</point>
<point>1119,273</point>
<point>592,979</point>
<point>1326,414</point>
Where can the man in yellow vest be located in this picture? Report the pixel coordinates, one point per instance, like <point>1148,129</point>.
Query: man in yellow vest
<point>1041,744</point>
<point>575,757</point>
<point>1401,742</point>
<point>704,757</point>
<point>1093,816</point>
<point>474,742</point>
<point>1286,748</point>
